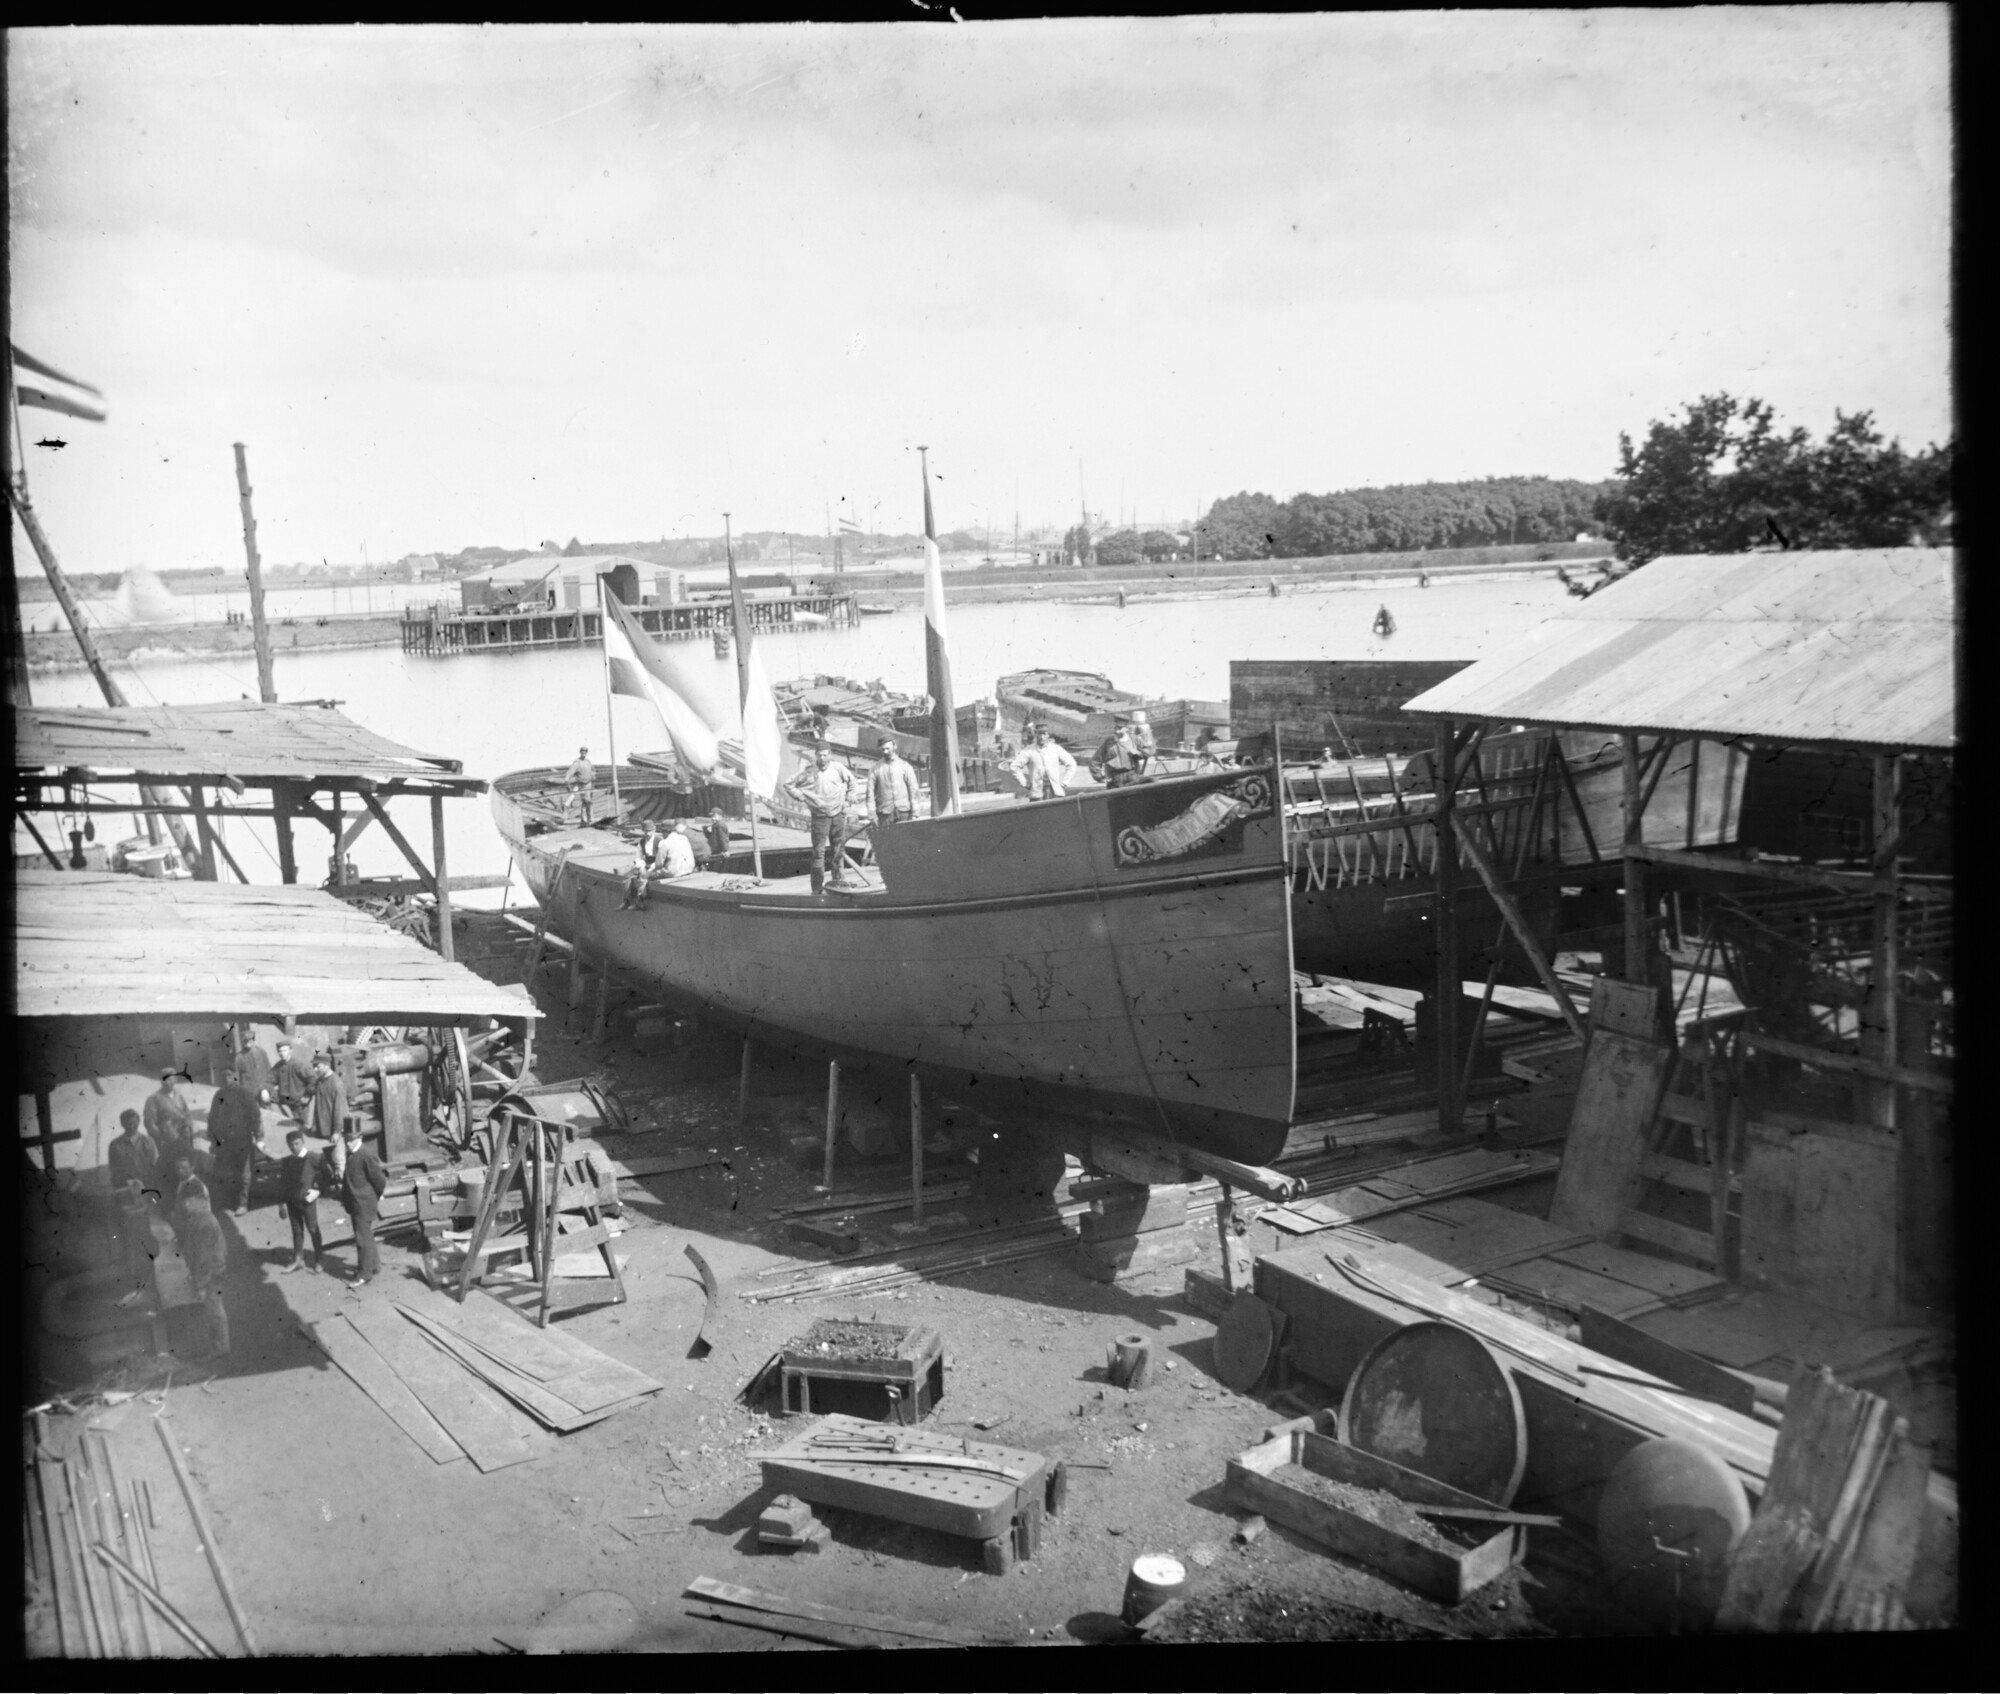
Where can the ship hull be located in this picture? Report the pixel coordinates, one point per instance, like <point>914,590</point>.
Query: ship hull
<point>1122,953</point>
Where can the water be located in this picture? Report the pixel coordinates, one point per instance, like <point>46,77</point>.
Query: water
<point>501,712</point>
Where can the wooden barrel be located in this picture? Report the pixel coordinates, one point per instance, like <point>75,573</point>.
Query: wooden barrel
<point>1153,1580</point>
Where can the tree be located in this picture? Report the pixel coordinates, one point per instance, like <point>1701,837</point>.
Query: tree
<point>1121,547</point>
<point>1158,544</point>
<point>1240,526</point>
<point>1724,479</point>
<point>1076,544</point>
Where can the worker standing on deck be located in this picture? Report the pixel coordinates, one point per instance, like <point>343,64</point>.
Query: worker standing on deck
<point>893,785</point>
<point>362,1180</point>
<point>1117,762</point>
<point>826,788</point>
<point>1143,744</point>
<point>579,780</point>
<point>235,1132</point>
<point>1046,765</point>
<point>717,830</point>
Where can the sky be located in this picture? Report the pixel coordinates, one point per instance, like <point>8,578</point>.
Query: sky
<point>461,286</point>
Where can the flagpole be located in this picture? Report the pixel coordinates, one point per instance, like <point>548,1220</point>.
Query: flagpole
<point>610,732</point>
<point>738,619</point>
<point>937,666</point>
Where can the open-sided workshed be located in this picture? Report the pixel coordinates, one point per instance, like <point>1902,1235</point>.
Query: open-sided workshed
<point>105,962</point>
<point>1828,658</point>
<point>307,759</point>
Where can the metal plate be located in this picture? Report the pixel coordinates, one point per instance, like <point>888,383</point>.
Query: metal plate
<point>1243,1343</point>
<point>1433,1398</point>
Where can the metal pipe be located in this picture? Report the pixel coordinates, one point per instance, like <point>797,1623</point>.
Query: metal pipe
<point>158,1601</point>
<point>206,1531</point>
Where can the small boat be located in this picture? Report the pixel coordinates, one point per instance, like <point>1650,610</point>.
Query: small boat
<point>875,608</point>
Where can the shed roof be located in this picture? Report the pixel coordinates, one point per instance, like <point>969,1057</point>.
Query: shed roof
<point>535,566</point>
<point>1853,648</point>
<point>237,738</point>
<point>99,945</point>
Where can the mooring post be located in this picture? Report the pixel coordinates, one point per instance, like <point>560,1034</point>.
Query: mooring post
<point>832,1119</point>
<point>916,1149</point>
<point>743,1085</point>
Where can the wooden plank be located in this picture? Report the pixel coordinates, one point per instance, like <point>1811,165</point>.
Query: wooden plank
<point>1634,1346</point>
<point>536,1398</point>
<point>1677,1173</point>
<point>1867,1134</point>
<point>1704,1331</point>
<point>1640,1270</point>
<point>1678,1108</point>
<point>1627,1008</point>
<point>1696,1244</point>
<point>783,1605</point>
<point>493,1433</point>
<point>665,1165</point>
<point>1569,1287</point>
<point>1621,1084</point>
<point>1820,1220</point>
<point>346,1347</point>
<point>803,1629</point>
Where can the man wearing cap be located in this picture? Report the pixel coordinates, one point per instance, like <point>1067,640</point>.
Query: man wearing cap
<point>717,830</point>
<point>894,785</point>
<point>329,1109</point>
<point>235,1128</point>
<point>826,789</point>
<point>580,779</point>
<point>1117,760</point>
<point>291,1082</point>
<point>133,1156</point>
<point>649,860</point>
<point>1045,765</point>
<point>1143,744</point>
<point>167,1116</point>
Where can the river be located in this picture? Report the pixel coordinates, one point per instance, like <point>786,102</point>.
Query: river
<point>502,712</point>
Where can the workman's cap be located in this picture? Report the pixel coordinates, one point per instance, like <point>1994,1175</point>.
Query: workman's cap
<point>294,1135</point>
<point>583,749</point>
<point>886,741</point>
<point>169,1071</point>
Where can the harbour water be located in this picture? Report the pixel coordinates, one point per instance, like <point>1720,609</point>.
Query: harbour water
<point>500,713</point>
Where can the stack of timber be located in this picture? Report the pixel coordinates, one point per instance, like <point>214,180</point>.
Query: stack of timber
<point>1837,1535</point>
<point>477,1381</point>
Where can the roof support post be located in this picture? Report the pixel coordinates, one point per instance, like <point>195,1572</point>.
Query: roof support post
<point>443,882</point>
<point>1510,910</point>
<point>1450,1109</point>
<point>1878,1027</point>
<point>281,807</point>
<point>1635,867</point>
<point>204,833</point>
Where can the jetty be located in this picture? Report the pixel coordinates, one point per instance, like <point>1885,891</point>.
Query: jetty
<point>437,631</point>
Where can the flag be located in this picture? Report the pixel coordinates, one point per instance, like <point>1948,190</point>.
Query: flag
<point>638,668</point>
<point>65,399</point>
<point>850,526</point>
<point>763,745</point>
<point>937,672</point>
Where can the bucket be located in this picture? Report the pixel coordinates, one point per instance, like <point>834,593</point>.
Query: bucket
<point>1154,1580</point>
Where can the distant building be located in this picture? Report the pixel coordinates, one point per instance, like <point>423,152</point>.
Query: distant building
<point>550,581</point>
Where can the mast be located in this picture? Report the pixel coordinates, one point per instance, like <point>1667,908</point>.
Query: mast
<point>937,666</point>
<point>610,729</point>
<point>260,631</point>
<point>740,618</point>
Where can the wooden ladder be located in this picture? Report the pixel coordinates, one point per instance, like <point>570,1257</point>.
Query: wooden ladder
<point>542,922</point>
<point>1715,1119</point>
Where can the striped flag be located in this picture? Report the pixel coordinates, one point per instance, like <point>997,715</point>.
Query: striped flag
<point>639,669</point>
<point>850,526</point>
<point>763,744</point>
<point>937,668</point>
<point>66,398</point>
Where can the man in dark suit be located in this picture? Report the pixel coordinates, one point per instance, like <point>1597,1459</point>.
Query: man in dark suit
<point>235,1128</point>
<point>291,1082</point>
<point>361,1185</point>
<point>298,1192</point>
<point>329,1109</point>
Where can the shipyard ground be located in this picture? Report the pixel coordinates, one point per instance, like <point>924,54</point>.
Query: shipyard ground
<point>343,1538</point>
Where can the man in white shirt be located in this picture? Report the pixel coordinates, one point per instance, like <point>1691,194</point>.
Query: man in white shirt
<point>826,789</point>
<point>579,780</point>
<point>1046,765</point>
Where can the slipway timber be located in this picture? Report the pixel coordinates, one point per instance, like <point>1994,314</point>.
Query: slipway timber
<point>1124,952</point>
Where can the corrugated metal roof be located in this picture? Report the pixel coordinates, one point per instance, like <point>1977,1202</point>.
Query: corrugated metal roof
<point>238,738</point>
<point>1852,647</point>
<point>97,945</point>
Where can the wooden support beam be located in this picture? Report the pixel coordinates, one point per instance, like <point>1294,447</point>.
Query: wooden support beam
<point>916,1148</point>
<point>1516,921</point>
<point>1809,876</point>
<point>832,1119</point>
<point>281,807</point>
<point>1850,1062</point>
<point>355,831</point>
<point>204,834</point>
<point>440,882</point>
<point>424,873</point>
<point>1575,803</point>
<point>1450,1107</point>
<point>1636,968</point>
<point>1878,1024</point>
<point>48,852</point>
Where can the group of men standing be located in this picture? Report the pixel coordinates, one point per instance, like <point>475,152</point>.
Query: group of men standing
<point>154,1154</point>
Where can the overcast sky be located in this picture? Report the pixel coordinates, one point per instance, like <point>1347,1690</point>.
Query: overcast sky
<point>458,286</point>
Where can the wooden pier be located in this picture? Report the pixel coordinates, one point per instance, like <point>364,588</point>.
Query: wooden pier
<point>438,633</point>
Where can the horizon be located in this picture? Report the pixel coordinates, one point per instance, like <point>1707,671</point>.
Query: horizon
<point>531,281</point>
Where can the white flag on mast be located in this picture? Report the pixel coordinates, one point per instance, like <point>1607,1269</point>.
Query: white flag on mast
<point>637,669</point>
